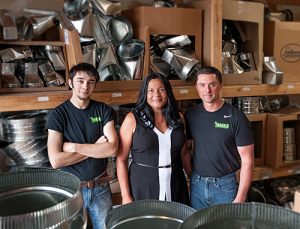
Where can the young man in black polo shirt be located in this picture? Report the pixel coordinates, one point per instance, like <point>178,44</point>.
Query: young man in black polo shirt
<point>81,136</point>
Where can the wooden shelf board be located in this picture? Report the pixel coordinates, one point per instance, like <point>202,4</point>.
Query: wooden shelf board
<point>51,99</point>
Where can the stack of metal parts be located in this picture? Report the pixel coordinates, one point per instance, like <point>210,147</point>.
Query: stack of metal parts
<point>24,66</point>
<point>26,138</point>
<point>41,199</point>
<point>232,61</point>
<point>289,144</point>
<point>173,57</point>
<point>105,38</point>
<point>271,72</point>
<point>284,190</point>
<point>249,105</point>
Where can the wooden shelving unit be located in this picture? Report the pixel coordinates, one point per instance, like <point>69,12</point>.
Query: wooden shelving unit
<point>49,100</point>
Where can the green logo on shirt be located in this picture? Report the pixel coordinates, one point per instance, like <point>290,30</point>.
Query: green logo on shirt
<point>221,125</point>
<point>97,119</point>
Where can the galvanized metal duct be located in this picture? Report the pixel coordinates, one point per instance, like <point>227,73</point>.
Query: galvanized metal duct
<point>148,214</point>
<point>41,199</point>
<point>242,215</point>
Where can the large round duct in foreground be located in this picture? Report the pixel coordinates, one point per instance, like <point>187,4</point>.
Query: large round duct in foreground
<point>243,216</point>
<point>148,214</point>
<point>41,199</point>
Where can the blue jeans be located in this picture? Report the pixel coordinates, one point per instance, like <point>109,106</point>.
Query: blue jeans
<point>208,191</point>
<point>98,203</point>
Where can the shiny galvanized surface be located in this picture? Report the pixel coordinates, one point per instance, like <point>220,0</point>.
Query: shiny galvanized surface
<point>8,78</point>
<point>288,135</point>
<point>90,54</point>
<point>51,78</point>
<point>24,149</point>
<point>40,157</point>
<point>35,26</point>
<point>247,62</point>
<point>119,30</point>
<point>32,79</point>
<point>20,126</point>
<point>148,214</point>
<point>131,55</point>
<point>107,7</point>
<point>242,215</point>
<point>15,52</point>
<point>227,66</point>
<point>41,199</point>
<point>249,105</point>
<point>271,72</point>
<point>185,66</point>
<point>237,69</point>
<point>158,65</point>
<point>56,56</point>
<point>8,27</point>
<point>178,41</point>
<point>109,68</point>
<point>100,33</point>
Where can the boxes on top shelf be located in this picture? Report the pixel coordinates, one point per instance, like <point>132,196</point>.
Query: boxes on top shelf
<point>64,73</point>
<point>281,40</point>
<point>147,21</point>
<point>251,18</point>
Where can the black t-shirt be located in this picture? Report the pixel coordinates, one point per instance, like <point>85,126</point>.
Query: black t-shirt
<point>81,126</point>
<point>216,136</point>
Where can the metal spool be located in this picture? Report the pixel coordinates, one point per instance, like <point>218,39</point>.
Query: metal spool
<point>242,215</point>
<point>249,105</point>
<point>41,199</point>
<point>289,152</point>
<point>148,214</point>
<point>288,135</point>
<point>112,169</point>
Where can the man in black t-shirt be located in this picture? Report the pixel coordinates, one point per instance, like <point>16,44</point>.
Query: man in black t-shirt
<point>221,134</point>
<point>81,136</point>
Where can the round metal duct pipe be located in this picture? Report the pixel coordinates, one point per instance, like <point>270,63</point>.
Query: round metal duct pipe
<point>41,199</point>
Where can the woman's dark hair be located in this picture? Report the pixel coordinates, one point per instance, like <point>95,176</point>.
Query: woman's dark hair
<point>86,68</point>
<point>169,110</point>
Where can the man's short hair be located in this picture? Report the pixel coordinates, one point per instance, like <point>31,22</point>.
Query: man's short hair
<point>210,70</point>
<point>86,68</point>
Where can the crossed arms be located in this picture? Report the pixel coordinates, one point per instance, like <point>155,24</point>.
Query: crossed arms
<point>67,153</point>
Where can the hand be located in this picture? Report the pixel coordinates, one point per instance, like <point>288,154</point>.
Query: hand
<point>102,139</point>
<point>238,200</point>
<point>69,147</point>
<point>127,200</point>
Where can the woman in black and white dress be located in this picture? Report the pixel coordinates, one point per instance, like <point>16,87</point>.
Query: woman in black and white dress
<point>154,132</point>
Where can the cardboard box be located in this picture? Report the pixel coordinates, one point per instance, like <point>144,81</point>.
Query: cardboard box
<point>274,143</point>
<point>42,89</point>
<point>251,17</point>
<point>259,124</point>
<point>212,27</point>
<point>148,20</point>
<point>281,40</point>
